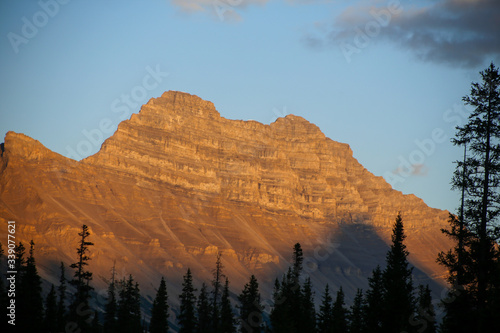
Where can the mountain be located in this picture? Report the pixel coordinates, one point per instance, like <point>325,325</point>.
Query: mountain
<point>177,183</point>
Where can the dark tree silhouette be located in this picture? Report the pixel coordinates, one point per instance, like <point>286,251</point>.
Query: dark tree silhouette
<point>374,300</point>
<point>250,308</point>
<point>187,317</point>
<point>340,314</point>
<point>478,177</point>
<point>426,316</point>
<point>398,299</point>
<point>204,310</point>
<point>227,322</point>
<point>129,307</point>
<point>308,310</point>
<point>29,300</point>
<point>324,319</point>
<point>80,312</point>
<point>159,311</point>
<point>61,301</point>
<point>357,314</point>
<point>218,276</point>
<point>110,309</point>
<point>50,318</point>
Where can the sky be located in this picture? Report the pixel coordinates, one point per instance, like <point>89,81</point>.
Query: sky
<point>385,77</point>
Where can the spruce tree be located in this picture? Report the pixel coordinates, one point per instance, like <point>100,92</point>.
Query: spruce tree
<point>227,322</point>
<point>204,311</point>
<point>357,314</point>
<point>279,314</point>
<point>398,298</point>
<point>340,313</point>
<point>79,308</point>
<point>324,319</point>
<point>187,317</point>
<point>29,300</point>
<point>50,318</point>
<point>129,307</point>
<point>478,176</point>
<point>250,316</point>
<point>159,311</point>
<point>374,299</point>
<point>61,301</point>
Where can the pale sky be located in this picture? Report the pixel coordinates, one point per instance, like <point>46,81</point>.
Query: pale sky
<point>386,77</point>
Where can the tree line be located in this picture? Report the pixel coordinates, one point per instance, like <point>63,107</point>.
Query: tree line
<point>391,303</point>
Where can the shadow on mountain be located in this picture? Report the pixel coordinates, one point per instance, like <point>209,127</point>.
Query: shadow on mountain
<point>347,258</point>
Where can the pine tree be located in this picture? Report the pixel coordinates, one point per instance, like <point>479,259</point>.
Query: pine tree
<point>298,258</point>
<point>29,300</point>
<point>204,310</point>
<point>357,314</point>
<point>61,302</point>
<point>426,316</point>
<point>129,307</point>
<point>324,319</point>
<point>398,299</point>
<point>20,265</point>
<point>79,309</point>
<point>187,316</point>
<point>374,299</point>
<point>50,318</point>
<point>159,311</point>
<point>110,309</point>
<point>226,323</point>
<point>279,313</point>
<point>479,177</point>
<point>340,313</point>
<point>250,316</point>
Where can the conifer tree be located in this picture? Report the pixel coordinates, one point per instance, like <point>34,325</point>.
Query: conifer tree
<point>204,311</point>
<point>95,326</point>
<point>29,300</point>
<point>159,311</point>
<point>478,176</point>
<point>20,251</point>
<point>110,309</point>
<point>187,317</point>
<point>227,322</point>
<point>61,301</point>
<point>308,311</point>
<point>250,316</point>
<point>357,314</point>
<point>374,299</point>
<point>398,298</point>
<point>50,318</point>
<point>340,313</point>
<point>279,320</point>
<point>79,308</point>
<point>324,319</point>
<point>218,274</point>
<point>426,316</point>
<point>129,307</point>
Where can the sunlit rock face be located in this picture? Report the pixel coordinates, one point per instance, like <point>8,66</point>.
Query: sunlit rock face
<point>177,183</point>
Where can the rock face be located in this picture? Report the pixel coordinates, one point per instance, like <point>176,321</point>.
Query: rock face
<point>177,183</point>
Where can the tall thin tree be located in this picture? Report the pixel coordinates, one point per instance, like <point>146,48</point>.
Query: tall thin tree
<point>187,314</point>
<point>159,311</point>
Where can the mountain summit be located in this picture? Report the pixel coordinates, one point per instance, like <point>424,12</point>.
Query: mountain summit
<point>177,183</point>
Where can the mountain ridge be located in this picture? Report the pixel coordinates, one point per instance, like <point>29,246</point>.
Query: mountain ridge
<point>177,183</point>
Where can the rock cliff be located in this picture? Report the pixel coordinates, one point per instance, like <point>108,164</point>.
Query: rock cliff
<point>177,183</point>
